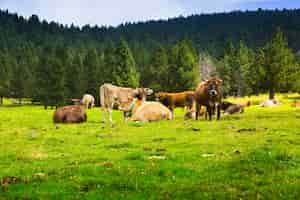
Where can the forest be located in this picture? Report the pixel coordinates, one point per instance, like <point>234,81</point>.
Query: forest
<point>50,63</point>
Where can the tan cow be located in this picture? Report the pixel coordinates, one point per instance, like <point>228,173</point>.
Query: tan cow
<point>88,101</point>
<point>148,111</point>
<point>114,97</point>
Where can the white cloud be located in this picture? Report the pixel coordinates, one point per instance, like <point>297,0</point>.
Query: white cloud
<point>114,12</point>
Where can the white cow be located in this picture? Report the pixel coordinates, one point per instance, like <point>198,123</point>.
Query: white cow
<point>88,101</point>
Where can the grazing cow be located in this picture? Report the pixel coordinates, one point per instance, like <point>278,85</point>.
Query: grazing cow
<point>208,94</point>
<point>149,111</point>
<point>114,97</point>
<point>70,114</point>
<point>173,100</point>
<point>88,101</point>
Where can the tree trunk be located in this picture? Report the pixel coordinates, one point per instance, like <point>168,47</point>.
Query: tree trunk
<point>271,93</point>
<point>1,100</point>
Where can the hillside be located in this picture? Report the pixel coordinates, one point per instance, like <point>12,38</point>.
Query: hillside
<point>207,32</point>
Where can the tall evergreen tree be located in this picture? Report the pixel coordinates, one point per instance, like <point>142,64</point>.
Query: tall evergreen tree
<point>124,69</point>
<point>279,63</point>
<point>5,75</point>
<point>75,84</point>
<point>156,74</point>
<point>50,80</point>
<point>91,64</point>
<point>183,67</point>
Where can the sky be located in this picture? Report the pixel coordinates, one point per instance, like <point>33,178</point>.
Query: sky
<point>115,12</point>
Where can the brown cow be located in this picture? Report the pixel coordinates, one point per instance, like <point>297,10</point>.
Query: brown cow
<point>173,100</point>
<point>296,104</point>
<point>114,97</point>
<point>70,114</point>
<point>208,94</point>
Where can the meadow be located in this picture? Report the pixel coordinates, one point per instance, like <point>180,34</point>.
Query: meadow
<point>254,155</point>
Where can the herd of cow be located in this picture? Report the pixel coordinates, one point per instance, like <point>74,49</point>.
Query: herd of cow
<point>205,100</point>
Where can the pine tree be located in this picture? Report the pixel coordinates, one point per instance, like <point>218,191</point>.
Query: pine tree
<point>50,80</point>
<point>279,63</point>
<point>91,64</point>
<point>5,75</point>
<point>124,69</point>
<point>156,74</point>
<point>183,68</point>
<point>75,86</point>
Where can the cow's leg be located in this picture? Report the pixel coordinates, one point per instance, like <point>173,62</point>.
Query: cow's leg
<point>110,116</point>
<point>218,111</point>
<point>103,112</point>
<point>209,109</point>
<point>173,113</point>
<point>125,115</point>
<point>198,108</point>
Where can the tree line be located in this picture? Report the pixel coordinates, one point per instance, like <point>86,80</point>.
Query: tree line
<point>51,63</point>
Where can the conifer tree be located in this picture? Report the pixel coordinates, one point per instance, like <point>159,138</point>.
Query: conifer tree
<point>279,63</point>
<point>124,69</point>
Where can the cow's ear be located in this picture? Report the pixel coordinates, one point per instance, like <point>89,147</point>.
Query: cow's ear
<point>219,81</point>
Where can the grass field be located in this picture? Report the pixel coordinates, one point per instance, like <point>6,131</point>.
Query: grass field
<point>254,155</point>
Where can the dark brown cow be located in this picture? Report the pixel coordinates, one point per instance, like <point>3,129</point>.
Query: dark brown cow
<point>173,100</point>
<point>208,94</point>
<point>70,114</point>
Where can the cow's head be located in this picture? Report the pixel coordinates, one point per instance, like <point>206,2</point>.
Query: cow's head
<point>159,96</point>
<point>142,93</point>
<point>212,87</point>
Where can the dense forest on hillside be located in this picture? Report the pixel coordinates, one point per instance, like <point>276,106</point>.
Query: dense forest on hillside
<point>51,63</point>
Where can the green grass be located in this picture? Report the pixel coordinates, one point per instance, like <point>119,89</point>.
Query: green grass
<point>254,155</point>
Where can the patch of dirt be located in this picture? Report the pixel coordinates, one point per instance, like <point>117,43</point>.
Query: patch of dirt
<point>120,146</point>
<point>145,148</point>
<point>164,139</point>
<point>161,150</point>
<point>246,130</point>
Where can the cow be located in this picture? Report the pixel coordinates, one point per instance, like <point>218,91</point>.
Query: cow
<point>296,104</point>
<point>208,94</point>
<point>119,98</point>
<point>148,111</point>
<point>88,101</point>
<point>173,100</point>
<point>270,103</point>
<point>70,114</point>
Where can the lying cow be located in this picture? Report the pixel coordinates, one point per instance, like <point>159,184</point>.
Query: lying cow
<point>208,94</point>
<point>70,114</point>
<point>88,101</point>
<point>149,111</point>
<point>173,100</point>
<point>270,103</point>
<point>296,104</point>
<point>231,108</point>
<point>114,97</point>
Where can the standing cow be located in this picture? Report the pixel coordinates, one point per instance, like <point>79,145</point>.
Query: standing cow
<point>179,99</point>
<point>88,101</point>
<point>121,98</point>
<point>208,94</point>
